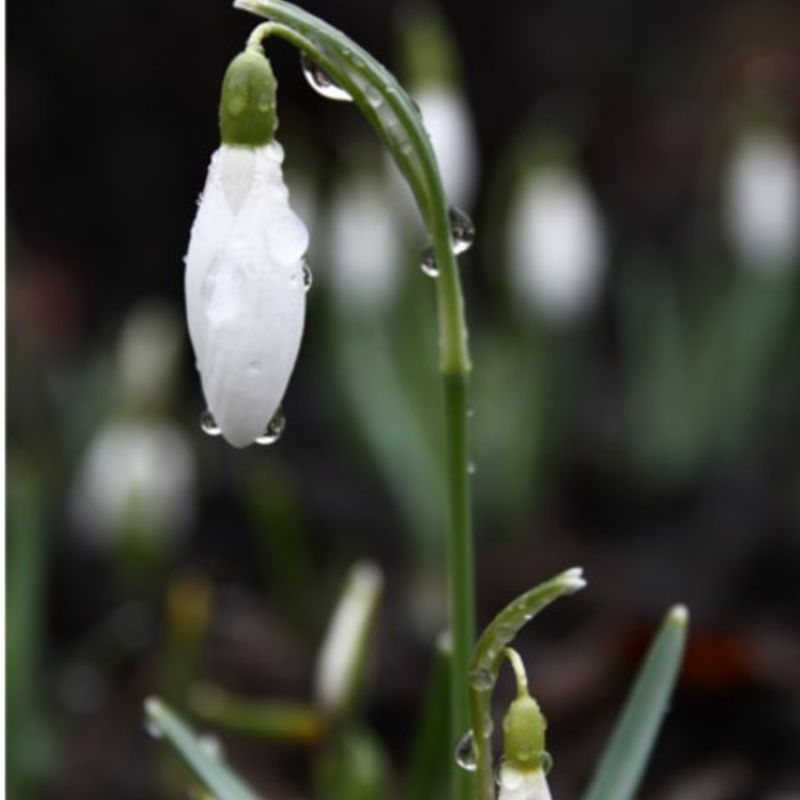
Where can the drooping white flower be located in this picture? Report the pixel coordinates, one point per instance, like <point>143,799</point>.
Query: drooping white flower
<point>556,246</point>
<point>245,291</point>
<point>762,200</point>
<point>245,287</point>
<point>522,784</point>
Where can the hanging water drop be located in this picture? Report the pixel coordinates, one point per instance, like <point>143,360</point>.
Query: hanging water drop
<point>465,753</point>
<point>462,230</point>
<point>308,276</point>
<point>545,761</point>
<point>428,263</point>
<point>481,680</point>
<point>274,429</point>
<point>209,425</point>
<point>321,82</point>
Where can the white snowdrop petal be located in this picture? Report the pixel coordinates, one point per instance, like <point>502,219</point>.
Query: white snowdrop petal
<point>363,245</point>
<point>556,244</point>
<point>246,299</point>
<point>517,784</point>
<point>762,200</point>
<point>237,171</point>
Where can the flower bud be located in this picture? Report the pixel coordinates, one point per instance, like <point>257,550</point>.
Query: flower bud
<point>247,108</point>
<point>245,273</point>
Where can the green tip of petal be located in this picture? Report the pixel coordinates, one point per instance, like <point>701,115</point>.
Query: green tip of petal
<point>248,108</point>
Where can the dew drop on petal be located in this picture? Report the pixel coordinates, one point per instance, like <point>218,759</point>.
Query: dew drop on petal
<point>465,753</point>
<point>462,230</point>
<point>308,276</point>
<point>428,263</point>
<point>545,762</point>
<point>274,429</point>
<point>321,82</point>
<point>209,425</point>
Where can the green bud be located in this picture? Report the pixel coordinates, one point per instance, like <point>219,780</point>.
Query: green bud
<point>247,108</point>
<point>524,727</point>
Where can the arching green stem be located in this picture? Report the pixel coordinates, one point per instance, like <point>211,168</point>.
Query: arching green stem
<point>394,116</point>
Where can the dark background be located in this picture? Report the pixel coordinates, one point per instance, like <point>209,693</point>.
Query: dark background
<point>111,120</point>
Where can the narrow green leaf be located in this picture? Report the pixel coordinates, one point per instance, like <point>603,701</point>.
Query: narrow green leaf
<point>220,780</point>
<point>271,719</point>
<point>623,763</point>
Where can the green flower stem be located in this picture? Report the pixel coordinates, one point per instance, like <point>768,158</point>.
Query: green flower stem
<point>487,658</point>
<point>389,109</point>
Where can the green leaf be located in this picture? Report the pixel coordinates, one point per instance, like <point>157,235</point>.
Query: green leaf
<point>220,780</point>
<point>271,719</point>
<point>622,764</point>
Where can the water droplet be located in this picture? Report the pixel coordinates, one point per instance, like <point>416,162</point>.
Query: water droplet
<point>210,745</point>
<point>471,468</point>
<point>505,632</point>
<point>274,429</point>
<point>428,263</point>
<point>465,753</point>
<point>308,276</point>
<point>209,425</point>
<point>545,762</point>
<point>153,730</point>
<point>462,230</point>
<point>321,82</point>
<point>481,680</point>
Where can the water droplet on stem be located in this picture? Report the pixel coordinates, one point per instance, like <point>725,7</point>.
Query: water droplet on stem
<point>462,230</point>
<point>465,753</point>
<point>321,82</point>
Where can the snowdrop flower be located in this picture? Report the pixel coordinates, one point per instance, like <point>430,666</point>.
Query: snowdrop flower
<point>245,285</point>
<point>433,70</point>
<point>523,771</point>
<point>363,245</point>
<point>135,476</point>
<point>555,243</point>
<point>449,124</point>
<point>762,200</point>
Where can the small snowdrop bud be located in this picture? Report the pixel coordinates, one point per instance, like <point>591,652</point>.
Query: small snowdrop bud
<point>762,200</point>
<point>245,288</point>
<point>555,241</point>
<point>522,774</point>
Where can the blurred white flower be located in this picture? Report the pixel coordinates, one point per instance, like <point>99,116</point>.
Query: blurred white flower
<point>448,121</point>
<point>363,245</point>
<point>555,244</point>
<point>341,660</point>
<point>519,784</point>
<point>762,200</point>
<point>134,476</point>
<point>148,352</point>
<point>245,289</point>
